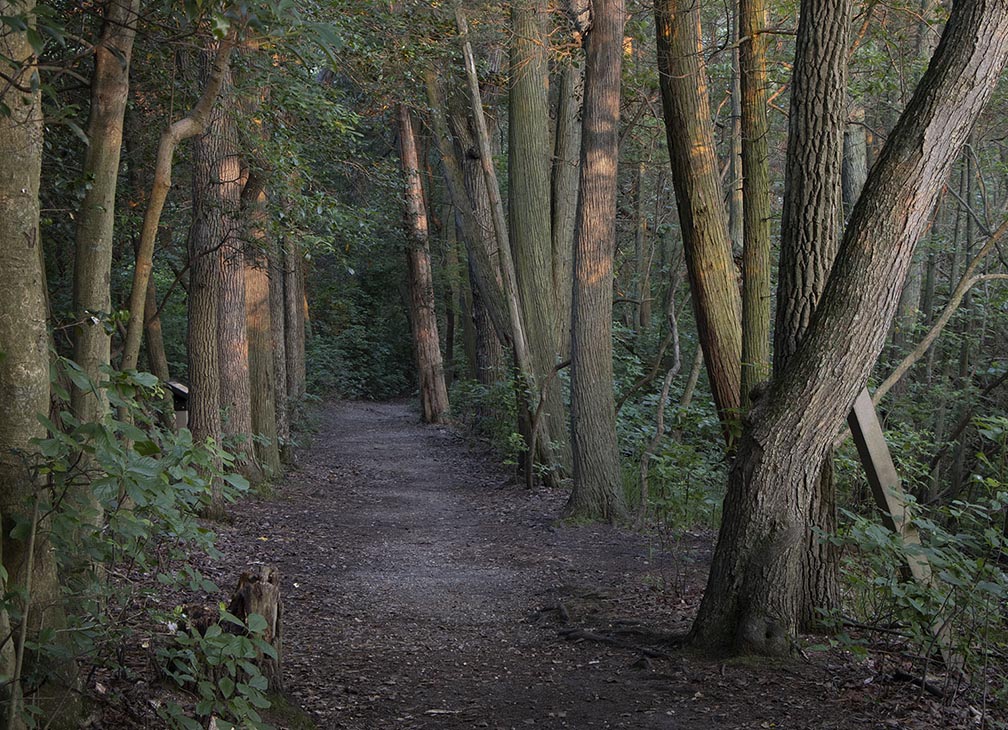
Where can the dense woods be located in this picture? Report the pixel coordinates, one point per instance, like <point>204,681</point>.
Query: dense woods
<point>732,270</point>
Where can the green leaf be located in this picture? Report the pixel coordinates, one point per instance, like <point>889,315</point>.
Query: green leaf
<point>256,623</point>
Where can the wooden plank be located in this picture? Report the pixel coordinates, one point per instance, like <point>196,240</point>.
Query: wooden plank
<point>887,489</point>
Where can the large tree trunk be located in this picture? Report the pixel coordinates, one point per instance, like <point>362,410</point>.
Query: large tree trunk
<point>702,217</point>
<point>93,255</point>
<point>217,184</point>
<point>598,488</point>
<point>756,197</point>
<point>810,234</point>
<point>529,167</point>
<point>420,283</point>
<point>753,599</point>
<point>24,367</point>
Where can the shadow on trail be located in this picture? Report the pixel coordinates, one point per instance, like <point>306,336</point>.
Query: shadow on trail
<point>423,588</point>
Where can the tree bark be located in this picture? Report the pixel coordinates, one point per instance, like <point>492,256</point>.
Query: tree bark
<point>752,602</point>
<point>756,198</point>
<point>96,220</point>
<point>529,167</point>
<point>810,235</point>
<point>278,344</point>
<point>24,367</point>
<point>294,321</point>
<point>564,193</point>
<point>703,220</point>
<point>259,320</point>
<point>597,491</point>
<point>427,344</point>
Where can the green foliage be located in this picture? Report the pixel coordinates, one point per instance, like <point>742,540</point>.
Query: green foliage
<point>490,412</point>
<point>150,484</point>
<point>220,663</point>
<point>966,544</point>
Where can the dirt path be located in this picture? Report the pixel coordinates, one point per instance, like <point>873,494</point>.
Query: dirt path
<point>423,589</point>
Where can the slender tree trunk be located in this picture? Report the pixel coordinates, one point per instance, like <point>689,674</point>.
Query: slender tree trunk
<point>736,167</point>
<point>753,599</point>
<point>756,197</point>
<point>564,192</point>
<point>529,167</point>
<point>427,344</point>
<point>96,219</point>
<point>703,220</point>
<point>598,489</point>
<point>294,321</point>
<point>278,347</point>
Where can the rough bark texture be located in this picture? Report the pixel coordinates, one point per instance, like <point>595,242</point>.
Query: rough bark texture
<point>756,198</point>
<point>260,327</point>
<point>810,234</point>
<point>423,319</point>
<point>753,598</point>
<point>216,192</point>
<point>598,490</point>
<point>96,218</point>
<point>24,367</point>
<point>529,208</point>
<point>564,189</point>
<point>703,219</point>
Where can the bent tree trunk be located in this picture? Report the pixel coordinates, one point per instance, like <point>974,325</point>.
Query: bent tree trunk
<point>426,343</point>
<point>752,599</point>
<point>598,489</point>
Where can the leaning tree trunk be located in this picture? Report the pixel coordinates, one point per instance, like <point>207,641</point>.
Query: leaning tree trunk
<point>96,219</point>
<point>24,376</point>
<point>753,601</point>
<point>598,488</point>
<point>702,215</point>
<point>810,234</point>
<point>423,319</point>
<point>756,197</point>
<point>529,166</point>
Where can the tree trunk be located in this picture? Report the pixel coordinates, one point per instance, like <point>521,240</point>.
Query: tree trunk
<point>423,320</point>
<point>564,193</point>
<point>529,232</point>
<point>598,489</point>
<point>717,304</point>
<point>93,255</point>
<point>24,367</point>
<point>294,321</point>
<point>810,234</point>
<point>278,347</point>
<point>216,196</point>
<point>753,598</point>
<point>756,195</point>
<point>259,326</point>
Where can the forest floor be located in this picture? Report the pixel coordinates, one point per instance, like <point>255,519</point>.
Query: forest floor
<point>423,588</point>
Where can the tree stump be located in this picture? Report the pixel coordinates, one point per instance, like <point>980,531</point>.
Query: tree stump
<point>260,593</point>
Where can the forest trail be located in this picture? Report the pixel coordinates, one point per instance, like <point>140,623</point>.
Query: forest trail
<point>424,589</point>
